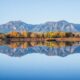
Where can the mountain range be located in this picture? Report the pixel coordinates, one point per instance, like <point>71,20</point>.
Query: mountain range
<point>45,27</point>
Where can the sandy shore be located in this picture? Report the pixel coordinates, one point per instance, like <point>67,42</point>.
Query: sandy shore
<point>65,39</point>
<point>42,39</point>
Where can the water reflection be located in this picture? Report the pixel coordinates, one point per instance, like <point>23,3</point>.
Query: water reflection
<point>51,48</point>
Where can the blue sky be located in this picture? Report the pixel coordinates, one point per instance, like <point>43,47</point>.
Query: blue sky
<point>39,11</point>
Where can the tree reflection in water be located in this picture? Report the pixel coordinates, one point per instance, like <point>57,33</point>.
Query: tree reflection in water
<point>49,48</point>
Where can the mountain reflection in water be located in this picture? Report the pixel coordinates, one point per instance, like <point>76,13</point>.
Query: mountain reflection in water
<point>53,48</point>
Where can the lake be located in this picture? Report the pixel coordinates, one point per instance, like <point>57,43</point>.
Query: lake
<point>40,60</point>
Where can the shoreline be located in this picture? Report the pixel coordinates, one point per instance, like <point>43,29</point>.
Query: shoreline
<point>40,39</point>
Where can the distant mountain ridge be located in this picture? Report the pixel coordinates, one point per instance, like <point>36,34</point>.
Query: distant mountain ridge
<point>46,27</point>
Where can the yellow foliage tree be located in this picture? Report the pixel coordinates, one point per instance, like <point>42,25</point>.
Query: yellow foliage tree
<point>24,34</point>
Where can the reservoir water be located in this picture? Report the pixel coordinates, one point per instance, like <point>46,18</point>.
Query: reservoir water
<point>40,61</point>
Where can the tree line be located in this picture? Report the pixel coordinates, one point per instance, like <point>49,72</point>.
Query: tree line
<point>25,34</point>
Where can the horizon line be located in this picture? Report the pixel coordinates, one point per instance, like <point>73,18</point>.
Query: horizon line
<point>38,23</point>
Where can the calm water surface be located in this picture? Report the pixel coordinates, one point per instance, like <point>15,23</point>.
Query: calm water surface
<point>40,62</point>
